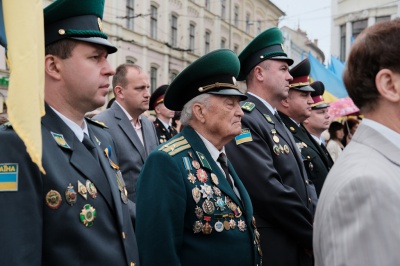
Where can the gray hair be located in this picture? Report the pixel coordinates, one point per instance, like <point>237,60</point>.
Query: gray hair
<point>187,114</point>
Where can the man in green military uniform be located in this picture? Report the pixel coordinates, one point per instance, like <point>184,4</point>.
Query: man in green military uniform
<point>164,129</point>
<point>192,209</point>
<point>77,213</point>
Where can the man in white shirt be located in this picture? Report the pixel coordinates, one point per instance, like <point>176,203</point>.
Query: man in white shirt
<point>357,220</point>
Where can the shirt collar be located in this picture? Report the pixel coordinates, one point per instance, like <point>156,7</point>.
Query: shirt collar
<point>390,134</point>
<point>78,131</point>
<point>214,152</point>
<point>273,110</point>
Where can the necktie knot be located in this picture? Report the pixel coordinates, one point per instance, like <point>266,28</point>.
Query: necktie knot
<point>278,117</point>
<point>223,161</point>
<point>90,146</point>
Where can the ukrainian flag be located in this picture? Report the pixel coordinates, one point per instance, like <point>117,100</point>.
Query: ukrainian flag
<point>8,177</point>
<point>245,136</point>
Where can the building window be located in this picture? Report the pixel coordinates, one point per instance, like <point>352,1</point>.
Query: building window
<point>153,22</point>
<point>173,75</point>
<point>174,31</point>
<point>207,42</point>
<point>207,4</point>
<point>130,60</point>
<point>384,18</point>
<point>153,79</point>
<point>223,9</point>
<point>236,49</point>
<point>248,23</point>
<point>236,16</point>
<point>191,37</point>
<point>343,42</point>
<point>223,43</point>
<point>130,13</point>
<point>358,27</point>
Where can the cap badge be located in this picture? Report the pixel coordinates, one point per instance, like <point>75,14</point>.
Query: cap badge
<point>100,24</point>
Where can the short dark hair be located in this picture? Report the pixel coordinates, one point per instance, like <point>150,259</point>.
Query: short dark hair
<point>374,49</point>
<point>62,48</point>
<point>334,127</point>
<point>119,77</point>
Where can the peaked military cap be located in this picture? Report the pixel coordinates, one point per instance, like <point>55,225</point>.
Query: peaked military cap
<point>78,20</point>
<point>317,95</point>
<point>157,97</point>
<point>300,73</point>
<point>213,73</point>
<point>267,45</point>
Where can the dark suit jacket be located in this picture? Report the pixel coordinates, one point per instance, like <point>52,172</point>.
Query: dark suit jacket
<point>162,133</point>
<point>273,172</point>
<point>35,234</point>
<point>131,153</point>
<point>315,160</point>
<point>166,209</point>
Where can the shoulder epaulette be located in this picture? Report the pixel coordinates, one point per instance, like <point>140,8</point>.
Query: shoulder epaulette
<point>175,146</point>
<point>248,106</point>
<point>96,122</point>
<point>7,124</point>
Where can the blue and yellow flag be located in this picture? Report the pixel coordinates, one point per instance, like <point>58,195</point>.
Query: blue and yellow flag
<point>24,42</point>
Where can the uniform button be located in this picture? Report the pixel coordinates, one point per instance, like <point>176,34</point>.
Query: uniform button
<point>307,182</point>
<point>123,235</point>
<point>132,264</point>
<point>309,200</point>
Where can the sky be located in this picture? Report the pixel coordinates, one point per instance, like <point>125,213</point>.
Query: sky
<point>312,16</point>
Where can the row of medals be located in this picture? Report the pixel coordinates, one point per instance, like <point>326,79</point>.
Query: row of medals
<point>211,203</point>
<point>53,198</point>
<point>278,149</point>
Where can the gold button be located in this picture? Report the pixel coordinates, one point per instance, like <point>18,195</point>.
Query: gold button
<point>123,235</point>
<point>61,31</point>
<point>132,264</point>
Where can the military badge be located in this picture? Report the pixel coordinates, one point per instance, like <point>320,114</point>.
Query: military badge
<point>196,164</point>
<point>248,106</point>
<point>59,138</point>
<point>242,225</point>
<point>269,119</point>
<point>232,223</point>
<point>199,212</point>
<point>197,227</point>
<point>91,189</point>
<point>207,191</point>
<point>203,160</point>
<point>244,137</point>
<point>191,178</point>
<point>286,149</point>
<point>196,194</point>
<point>87,215</point>
<point>9,177</point>
<point>217,191</point>
<point>82,190</point>
<point>276,149</point>
<point>53,199</point>
<point>207,228</point>
<point>227,225</point>
<point>214,179</point>
<point>219,227</point>
<point>202,175</point>
<point>208,207</point>
<point>220,204</point>
<point>70,195</point>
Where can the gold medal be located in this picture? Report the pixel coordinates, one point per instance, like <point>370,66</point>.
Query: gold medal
<point>214,178</point>
<point>91,189</point>
<point>275,138</point>
<point>196,164</point>
<point>82,190</point>
<point>53,199</point>
<point>227,226</point>
<point>199,212</point>
<point>197,227</point>
<point>191,178</point>
<point>196,194</point>
<point>87,215</point>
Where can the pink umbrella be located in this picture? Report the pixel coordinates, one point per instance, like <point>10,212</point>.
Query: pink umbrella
<point>342,107</point>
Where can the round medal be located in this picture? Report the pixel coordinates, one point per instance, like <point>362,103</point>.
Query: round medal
<point>208,207</point>
<point>275,138</point>
<point>286,149</point>
<point>53,199</point>
<point>219,227</point>
<point>276,149</point>
<point>227,225</point>
<point>214,178</point>
<point>196,164</point>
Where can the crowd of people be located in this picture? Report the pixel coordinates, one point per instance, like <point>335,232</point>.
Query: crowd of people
<point>220,176</point>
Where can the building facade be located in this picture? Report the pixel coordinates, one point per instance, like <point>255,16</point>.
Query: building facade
<point>350,17</point>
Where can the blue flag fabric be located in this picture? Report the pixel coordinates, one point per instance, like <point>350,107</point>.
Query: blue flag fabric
<point>333,84</point>
<point>3,39</point>
<point>336,66</point>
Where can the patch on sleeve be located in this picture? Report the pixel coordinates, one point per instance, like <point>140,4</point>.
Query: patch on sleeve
<point>244,137</point>
<point>8,177</point>
<point>248,106</point>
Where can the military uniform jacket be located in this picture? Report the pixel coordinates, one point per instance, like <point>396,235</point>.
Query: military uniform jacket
<point>38,226</point>
<point>314,158</point>
<point>162,133</point>
<point>183,199</point>
<point>270,167</point>
<point>131,152</point>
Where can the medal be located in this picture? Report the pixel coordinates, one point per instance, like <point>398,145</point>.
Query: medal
<point>70,195</point>
<point>214,178</point>
<point>53,199</point>
<point>191,178</point>
<point>219,227</point>
<point>197,227</point>
<point>202,175</point>
<point>207,191</point>
<point>124,195</point>
<point>275,138</point>
<point>276,149</point>
<point>242,225</point>
<point>207,228</point>
<point>217,191</point>
<point>208,207</point>
<point>227,226</point>
<point>220,204</point>
<point>82,190</point>
<point>286,149</point>
<point>196,194</point>
<point>232,224</point>
<point>87,215</point>
<point>91,189</point>
<point>199,212</point>
<point>196,164</point>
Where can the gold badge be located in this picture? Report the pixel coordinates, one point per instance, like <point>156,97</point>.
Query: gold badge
<point>59,138</point>
<point>214,178</point>
<point>53,199</point>
<point>91,189</point>
<point>100,24</point>
<point>82,190</point>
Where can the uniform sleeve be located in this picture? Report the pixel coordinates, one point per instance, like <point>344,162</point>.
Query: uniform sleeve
<point>273,201</point>
<point>20,211</point>
<point>161,205</point>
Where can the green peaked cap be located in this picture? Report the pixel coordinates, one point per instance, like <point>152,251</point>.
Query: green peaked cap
<point>267,45</point>
<point>213,73</point>
<point>76,19</point>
